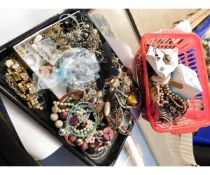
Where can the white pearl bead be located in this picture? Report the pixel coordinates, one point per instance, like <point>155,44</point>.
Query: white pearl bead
<point>108,143</point>
<point>107,108</point>
<point>55,109</point>
<point>69,104</point>
<point>100,133</point>
<point>79,142</point>
<point>95,31</point>
<point>61,104</point>
<point>58,124</point>
<point>54,117</point>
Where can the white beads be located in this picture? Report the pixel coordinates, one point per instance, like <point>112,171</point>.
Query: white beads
<point>100,133</point>
<point>58,124</point>
<point>79,142</point>
<point>107,109</point>
<point>95,31</point>
<point>55,109</point>
<point>54,117</point>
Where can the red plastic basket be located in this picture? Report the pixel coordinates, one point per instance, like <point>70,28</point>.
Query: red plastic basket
<point>191,55</point>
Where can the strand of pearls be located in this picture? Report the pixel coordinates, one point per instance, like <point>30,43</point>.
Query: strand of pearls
<point>56,109</point>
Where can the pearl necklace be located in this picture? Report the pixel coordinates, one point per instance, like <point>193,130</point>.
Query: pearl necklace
<point>170,106</point>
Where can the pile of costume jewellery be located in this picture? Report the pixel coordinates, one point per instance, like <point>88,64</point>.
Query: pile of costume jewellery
<point>172,84</point>
<point>101,95</point>
<point>19,80</point>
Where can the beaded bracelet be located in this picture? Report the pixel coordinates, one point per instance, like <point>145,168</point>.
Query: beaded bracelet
<point>79,110</point>
<point>79,113</point>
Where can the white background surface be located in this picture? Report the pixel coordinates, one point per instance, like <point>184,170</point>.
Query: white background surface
<point>37,140</point>
<point>14,22</point>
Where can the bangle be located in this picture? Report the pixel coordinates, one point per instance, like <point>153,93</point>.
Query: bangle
<point>82,114</point>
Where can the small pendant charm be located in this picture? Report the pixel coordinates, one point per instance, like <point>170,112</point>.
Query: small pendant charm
<point>132,100</point>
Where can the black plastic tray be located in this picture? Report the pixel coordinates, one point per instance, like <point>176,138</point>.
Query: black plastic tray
<point>43,116</point>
